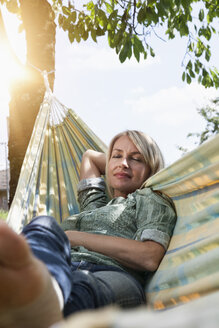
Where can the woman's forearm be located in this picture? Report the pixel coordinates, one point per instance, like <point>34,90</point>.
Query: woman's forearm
<point>134,254</point>
<point>93,164</point>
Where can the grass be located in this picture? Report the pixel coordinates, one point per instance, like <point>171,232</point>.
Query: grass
<point>3,214</point>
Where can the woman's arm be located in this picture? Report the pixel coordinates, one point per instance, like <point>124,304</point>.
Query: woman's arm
<point>134,254</point>
<point>92,165</point>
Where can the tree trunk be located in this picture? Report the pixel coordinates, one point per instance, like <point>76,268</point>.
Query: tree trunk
<point>27,93</point>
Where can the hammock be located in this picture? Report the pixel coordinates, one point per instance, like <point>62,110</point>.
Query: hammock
<point>50,171</point>
<point>48,181</point>
<point>190,267</point>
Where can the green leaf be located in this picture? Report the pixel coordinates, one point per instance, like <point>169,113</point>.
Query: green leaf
<point>201,15</point>
<point>129,51</point>
<point>109,8</point>
<point>118,38</point>
<point>207,54</point>
<point>197,69</point>
<point>102,18</point>
<point>192,74</point>
<point>138,43</point>
<point>136,53</point>
<point>151,16</point>
<point>191,46</point>
<point>113,15</point>
<point>112,22</point>
<point>215,76</point>
<point>60,20</point>
<point>65,24</point>
<point>189,65</point>
<point>210,17</point>
<point>71,36</point>
<point>188,79</point>
<point>77,35</point>
<point>151,3</point>
<point>152,52</point>
<point>183,76</point>
<point>90,5</point>
<point>73,16</point>
<point>213,29</point>
<point>111,39</point>
<point>199,78</point>
<point>85,35</point>
<point>124,53</point>
<point>199,48</point>
<point>170,33</point>
<point>99,31</point>
<point>162,11</point>
<point>208,33</point>
<point>184,30</point>
<point>166,4</point>
<point>66,11</point>
<point>93,35</point>
<point>204,73</point>
<point>141,15</point>
<point>138,5</point>
<point>118,48</point>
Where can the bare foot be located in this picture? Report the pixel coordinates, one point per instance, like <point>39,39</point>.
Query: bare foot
<point>27,296</point>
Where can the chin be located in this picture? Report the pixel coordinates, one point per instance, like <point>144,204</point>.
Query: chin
<point>123,191</point>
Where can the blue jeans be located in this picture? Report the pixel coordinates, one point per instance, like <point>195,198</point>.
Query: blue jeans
<point>84,285</point>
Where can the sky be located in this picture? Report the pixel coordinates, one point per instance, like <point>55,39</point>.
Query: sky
<point>111,97</point>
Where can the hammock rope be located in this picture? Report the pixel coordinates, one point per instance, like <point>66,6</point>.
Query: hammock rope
<point>50,172</point>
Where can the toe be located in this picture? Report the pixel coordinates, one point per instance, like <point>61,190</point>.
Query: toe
<point>14,250</point>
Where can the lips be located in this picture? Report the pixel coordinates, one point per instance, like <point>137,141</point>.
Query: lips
<point>122,175</point>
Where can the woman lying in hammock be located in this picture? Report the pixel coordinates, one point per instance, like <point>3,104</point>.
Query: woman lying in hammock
<point>114,245</point>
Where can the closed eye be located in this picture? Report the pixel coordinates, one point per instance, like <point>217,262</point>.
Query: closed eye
<point>116,156</point>
<point>136,159</point>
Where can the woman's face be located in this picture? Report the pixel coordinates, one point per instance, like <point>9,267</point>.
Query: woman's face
<point>127,169</point>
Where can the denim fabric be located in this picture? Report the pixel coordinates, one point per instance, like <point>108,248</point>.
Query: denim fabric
<point>84,285</point>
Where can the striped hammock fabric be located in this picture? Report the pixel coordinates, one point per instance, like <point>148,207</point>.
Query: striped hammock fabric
<point>48,183</point>
<point>190,267</point>
<point>50,171</point>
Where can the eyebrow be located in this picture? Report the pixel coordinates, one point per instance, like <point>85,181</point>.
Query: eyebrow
<point>132,153</point>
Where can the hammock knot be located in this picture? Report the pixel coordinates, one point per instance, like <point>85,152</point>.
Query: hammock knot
<point>46,81</point>
<point>45,74</point>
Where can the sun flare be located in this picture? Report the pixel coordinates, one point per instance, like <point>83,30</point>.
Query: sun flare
<point>15,38</point>
<point>9,68</point>
<point>12,57</point>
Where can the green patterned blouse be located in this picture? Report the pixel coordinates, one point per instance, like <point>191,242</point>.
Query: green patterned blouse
<point>143,215</point>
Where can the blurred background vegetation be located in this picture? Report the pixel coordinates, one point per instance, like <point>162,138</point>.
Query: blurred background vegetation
<point>3,214</point>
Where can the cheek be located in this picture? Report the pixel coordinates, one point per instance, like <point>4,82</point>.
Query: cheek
<point>142,174</point>
<point>109,168</point>
<point>109,173</point>
<point>146,174</point>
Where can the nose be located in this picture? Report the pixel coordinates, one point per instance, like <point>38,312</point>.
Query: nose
<point>124,162</point>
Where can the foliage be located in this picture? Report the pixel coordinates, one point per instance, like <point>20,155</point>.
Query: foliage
<point>211,116</point>
<point>3,214</point>
<point>129,24</point>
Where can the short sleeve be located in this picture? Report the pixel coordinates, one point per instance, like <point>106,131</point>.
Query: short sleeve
<point>156,217</point>
<point>91,194</point>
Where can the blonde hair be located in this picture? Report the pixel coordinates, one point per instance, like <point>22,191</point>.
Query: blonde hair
<point>146,146</point>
